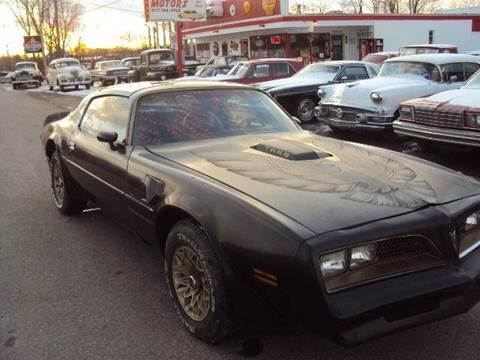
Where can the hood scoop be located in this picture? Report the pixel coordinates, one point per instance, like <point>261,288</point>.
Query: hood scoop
<point>289,150</point>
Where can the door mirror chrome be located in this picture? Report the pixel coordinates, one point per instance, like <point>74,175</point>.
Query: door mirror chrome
<point>344,78</point>
<point>107,136</point>
<point>453,78</point>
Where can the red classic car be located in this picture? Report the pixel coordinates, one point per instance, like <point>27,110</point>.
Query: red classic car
<point>260,70</point>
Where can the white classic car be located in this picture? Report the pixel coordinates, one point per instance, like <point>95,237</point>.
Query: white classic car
<point>449,117</point>
<point>67,72</point>
<point>373,104</point>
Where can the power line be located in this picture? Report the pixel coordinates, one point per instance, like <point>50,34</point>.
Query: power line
<point>108,6</point>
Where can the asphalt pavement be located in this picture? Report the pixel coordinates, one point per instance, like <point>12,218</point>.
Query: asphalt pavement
<point>84,288</point>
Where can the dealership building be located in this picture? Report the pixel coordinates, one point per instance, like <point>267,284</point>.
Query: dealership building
<point>266,28</point>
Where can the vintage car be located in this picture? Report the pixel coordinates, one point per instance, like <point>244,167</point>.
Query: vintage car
<point>298,94</point>
<point>206,72</point>
<point>350,239</point>
<point>261,70</point>
<point>6,77</point>
<point>132,63</point>
<point>451,117</point>
<point>110,72</point>
<point>380,57</point>
<point>373,104</point>
<point>67,72</point>
<point>26,74</point>
<point>428,49</point>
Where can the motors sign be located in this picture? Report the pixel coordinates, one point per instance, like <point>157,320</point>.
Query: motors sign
<point>175,10</point>
<point>32,44</point>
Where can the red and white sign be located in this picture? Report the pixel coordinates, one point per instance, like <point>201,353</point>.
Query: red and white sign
<point>175,10</point>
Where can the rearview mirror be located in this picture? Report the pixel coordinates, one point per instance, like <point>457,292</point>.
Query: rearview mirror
<point>107,136</point>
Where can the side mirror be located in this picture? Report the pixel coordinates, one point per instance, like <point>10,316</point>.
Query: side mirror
<point>107,136</point>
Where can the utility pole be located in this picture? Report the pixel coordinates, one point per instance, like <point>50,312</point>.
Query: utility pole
<point>157,36</point>
<point>164,33</point>
<point>149,37</point>
<point>57,27</point>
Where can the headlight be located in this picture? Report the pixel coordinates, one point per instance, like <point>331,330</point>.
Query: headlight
<point>472,120</point>
<point>472,221</point>
<point>333,263</point>
<point>376,97</point>
<point>407,112</point>
<point>362,255</point>
<point>377,260</point>
<point>321,93</point>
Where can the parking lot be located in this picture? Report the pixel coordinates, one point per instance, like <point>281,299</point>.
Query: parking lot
<point>85,288</point>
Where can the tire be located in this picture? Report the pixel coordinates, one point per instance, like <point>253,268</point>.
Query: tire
<point>214,322</point>
<point>305,110</point>
<point>71,202</point>
<point>14,86</point>
<point>87,86</point>
<point>76,87</point>
<point>62,88</point>
<point>37,85</point>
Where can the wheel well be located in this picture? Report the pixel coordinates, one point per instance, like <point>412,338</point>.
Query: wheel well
<point>50,148</point>
<point>167,218</point>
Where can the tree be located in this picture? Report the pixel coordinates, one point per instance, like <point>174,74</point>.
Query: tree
<point>464,3</point>
<point>420,6</point>
<point>353,6</point>
<point>309,6</point>
<point>392,6</point>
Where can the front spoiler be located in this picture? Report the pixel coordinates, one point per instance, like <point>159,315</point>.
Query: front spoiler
<point>444,135</point>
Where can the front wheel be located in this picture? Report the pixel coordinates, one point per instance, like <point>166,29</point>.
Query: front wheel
<point>87,86</point>
<point>67,198</point>
<point>195,279</point>
<point>305,110</point>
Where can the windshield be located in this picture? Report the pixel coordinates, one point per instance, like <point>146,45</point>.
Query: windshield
<point>205,72</point>
<point>25,66</point>
<point>241,70</point>
<point>65,64</point>
<point>161,56</point>
<point>402,68</point>
<point>474,82</point>
<point>170,117</point>
<point>111,64</point>
<point>318,69</point>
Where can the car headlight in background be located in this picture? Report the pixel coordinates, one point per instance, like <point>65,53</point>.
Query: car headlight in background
<point>376,97</point>
<point>472,221</point>
<point>469,234</point>
<point>407,112</point>
<point>376,260</point>
<point>472,120</point>
<point>321,93</point>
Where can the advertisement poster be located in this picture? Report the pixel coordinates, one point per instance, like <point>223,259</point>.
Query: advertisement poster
<point>32,44</point>
<point>175,10</point>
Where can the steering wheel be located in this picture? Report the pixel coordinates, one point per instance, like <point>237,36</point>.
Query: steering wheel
<point>218,125</point>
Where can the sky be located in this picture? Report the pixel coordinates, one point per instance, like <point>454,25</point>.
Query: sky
<point>100,26</point>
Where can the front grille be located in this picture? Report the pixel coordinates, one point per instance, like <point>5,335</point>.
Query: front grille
<point>347,114</point>
<point>403,247</point>
<point>440,118</point>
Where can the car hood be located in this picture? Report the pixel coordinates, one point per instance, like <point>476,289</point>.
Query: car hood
<point>296,81</point>
<point>461,97</point>
<point>394,90</point>
<point>343,185</point>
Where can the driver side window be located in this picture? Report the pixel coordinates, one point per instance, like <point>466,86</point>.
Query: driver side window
<point>107,113</point>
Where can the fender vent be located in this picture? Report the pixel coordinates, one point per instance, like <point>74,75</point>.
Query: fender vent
<point>289,150</point>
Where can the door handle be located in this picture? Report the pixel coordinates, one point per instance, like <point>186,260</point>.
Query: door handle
<point>71,146</point>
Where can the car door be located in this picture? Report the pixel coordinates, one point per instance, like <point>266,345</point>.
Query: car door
<point>101,167</point>
<point>454,75</point>
<point>281,70</point>
<point>142,67</point>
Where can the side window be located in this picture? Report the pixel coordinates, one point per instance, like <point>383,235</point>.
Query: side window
<point>372,71</point>
<point>450,70</point>
<point>107,113</point>
<point>261,70</point>
<point>353,73</point>
<point>280,69</point>
<point>143,60</point>
<point>470,69</point>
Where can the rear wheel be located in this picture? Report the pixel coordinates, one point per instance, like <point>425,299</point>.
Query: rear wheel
<point>14,86</point>
<point>305,110</point>
<point>67,198</point>
<point>87,86</point>
<point>76,87</point>
<point>195,279</point>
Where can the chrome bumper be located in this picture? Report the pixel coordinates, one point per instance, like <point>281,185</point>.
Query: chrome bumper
<point>450,136</point>
<point>367,125</point>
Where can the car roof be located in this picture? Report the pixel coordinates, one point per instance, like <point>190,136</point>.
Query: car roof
<point>108,61</point>
<point>63,59</point>
<point>149,51</point>
<point>435,46</point>
<point>131,58</point>
<point>255,61</point>
<point>438,59</point>
<point>26,62</point>
<point>385,53</point>
<point>140,88</point>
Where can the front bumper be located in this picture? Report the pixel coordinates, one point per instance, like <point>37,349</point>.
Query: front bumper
<point>75,82</point>
<point>444,135</point>
<point>26,82</point>
<point>353,119</point>
<point>351,125</point>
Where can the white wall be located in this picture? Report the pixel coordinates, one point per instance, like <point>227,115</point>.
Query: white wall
<point>396,34</point>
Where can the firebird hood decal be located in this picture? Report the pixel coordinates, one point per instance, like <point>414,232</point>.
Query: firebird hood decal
<point>386,182</point>
<point>355,185</point>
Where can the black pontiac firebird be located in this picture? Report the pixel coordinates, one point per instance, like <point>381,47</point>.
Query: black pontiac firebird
<point>246,207</point>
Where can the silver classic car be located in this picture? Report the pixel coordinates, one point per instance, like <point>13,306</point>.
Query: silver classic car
<point>448,117</point>
<point>373,104</point>
<point>67,72</point>
<point>26,73</point>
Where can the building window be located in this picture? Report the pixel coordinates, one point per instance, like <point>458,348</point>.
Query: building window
<point>430,37</point>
